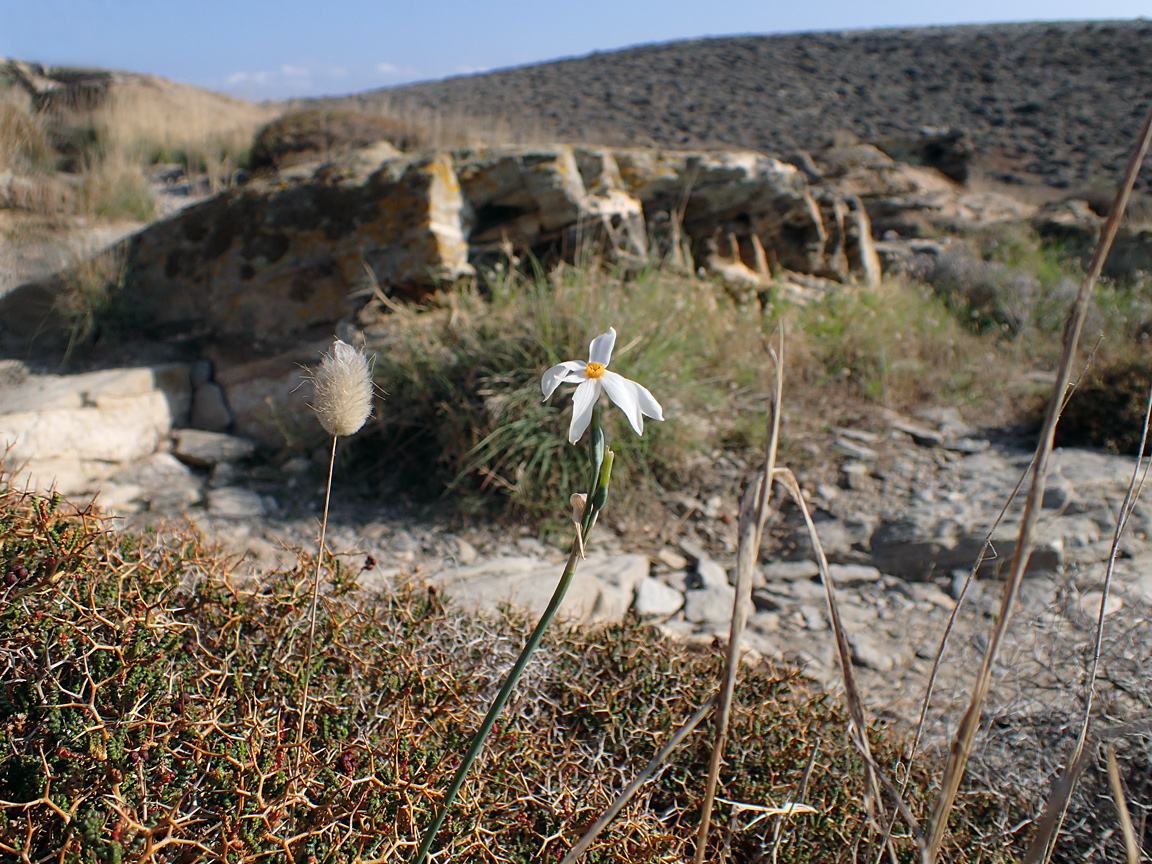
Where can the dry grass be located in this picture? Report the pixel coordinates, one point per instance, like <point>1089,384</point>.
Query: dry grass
<point>154,120</point>
<point>99,142</point>
<point>114,187</point>
<point>24,144</point>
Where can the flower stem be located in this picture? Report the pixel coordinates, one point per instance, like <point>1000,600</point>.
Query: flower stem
<point>315,601</point>
<point>603,478</point>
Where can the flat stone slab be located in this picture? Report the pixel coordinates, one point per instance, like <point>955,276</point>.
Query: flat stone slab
<point>654,599</point>
<point>205,449</point>
<point>602,591</point>
<point>233,502</point>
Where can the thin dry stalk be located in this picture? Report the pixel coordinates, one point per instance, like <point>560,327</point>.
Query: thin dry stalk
<point>966,732</point>
<point>939,658</point>
<point>753,516</point>
<point>1135,487</point>
<point>857,727</point>
<point>1131,850</point>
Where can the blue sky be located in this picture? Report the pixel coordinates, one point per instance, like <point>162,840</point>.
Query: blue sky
<point>279,48</point>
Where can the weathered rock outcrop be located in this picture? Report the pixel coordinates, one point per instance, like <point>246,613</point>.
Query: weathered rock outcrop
<point>267,263</point>
<point>910,200</point>
<point>281,260</point>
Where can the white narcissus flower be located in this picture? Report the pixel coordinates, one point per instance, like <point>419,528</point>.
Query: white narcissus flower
<point>593,376</point>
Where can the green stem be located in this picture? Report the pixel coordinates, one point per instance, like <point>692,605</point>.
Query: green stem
<point>590,510</point>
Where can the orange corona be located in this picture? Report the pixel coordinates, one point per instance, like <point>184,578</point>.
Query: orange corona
<point>594,370</point>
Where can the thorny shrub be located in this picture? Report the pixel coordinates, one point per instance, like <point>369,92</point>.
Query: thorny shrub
<point>148,714</point>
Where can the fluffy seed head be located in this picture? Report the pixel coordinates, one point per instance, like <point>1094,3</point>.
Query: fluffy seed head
<point>343,390</point>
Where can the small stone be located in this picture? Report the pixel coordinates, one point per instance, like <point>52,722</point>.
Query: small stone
<point>197,447</point>
<point>867,653</point>
<point>813,617</point>
<point>210,409</point>
<point>858,475</point>
<point>710,604</point>
<point>967,445</point>
<point>789,571</point>
<point>926,592</point>
<point>466,553</point>
<point>1058,493</point>
<point>671,559</point>
<point>947,420</point>
<point>764,622</point>
<point>852,574</point>
<point>711,574</point>
<point>957,582</point>
<point>234,502</point>
<point>807,590</point>
<point>856,451</point>
<point>922,435</point>
<point>764,601</point>
<point>827,491</point>
<point>654,599</point>
<point>861,435</point>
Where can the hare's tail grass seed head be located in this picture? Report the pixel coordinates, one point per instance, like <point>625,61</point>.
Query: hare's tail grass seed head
<point>343,390</point>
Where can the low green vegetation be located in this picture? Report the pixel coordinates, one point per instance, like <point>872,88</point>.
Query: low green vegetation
<point>462,408</point>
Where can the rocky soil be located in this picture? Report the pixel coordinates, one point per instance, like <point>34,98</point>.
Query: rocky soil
<point>1055,105</point>
<point>903,507</point>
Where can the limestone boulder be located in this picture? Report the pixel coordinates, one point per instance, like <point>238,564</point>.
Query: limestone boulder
<point>269,397</point>
<point>73,431</point>
<point>739,193</point>
<point>912,200</point>
<point>550,197</point>
<point>266,263</point>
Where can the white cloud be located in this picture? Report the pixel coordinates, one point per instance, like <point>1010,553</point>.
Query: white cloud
<point>338,71</point>
<point>387,68</point>
<point>290,71</point>
<point>471,70</point>
<point>248,78</point>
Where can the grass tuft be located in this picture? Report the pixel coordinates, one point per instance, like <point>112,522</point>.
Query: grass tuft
<point>462,379</point>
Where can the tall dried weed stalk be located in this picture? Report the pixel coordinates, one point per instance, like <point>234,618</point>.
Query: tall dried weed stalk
<point>342,393</point>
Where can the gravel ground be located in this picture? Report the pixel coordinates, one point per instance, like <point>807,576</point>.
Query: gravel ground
<point>1055,104</point>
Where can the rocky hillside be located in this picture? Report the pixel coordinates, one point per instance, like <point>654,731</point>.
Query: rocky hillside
<point>1054,105</point>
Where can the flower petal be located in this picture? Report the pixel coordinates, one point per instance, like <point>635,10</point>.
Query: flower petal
<point>600,351</point>
<point>568,372</point>
<point>649,407</point>
<point>624,393</point>
<point>583,401</point>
